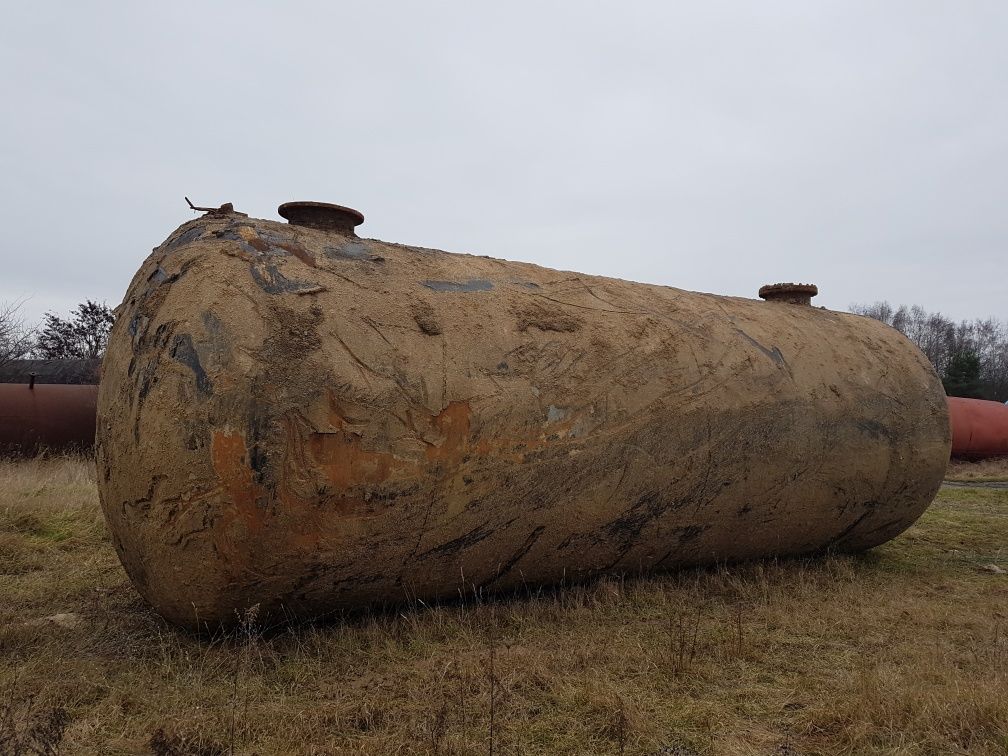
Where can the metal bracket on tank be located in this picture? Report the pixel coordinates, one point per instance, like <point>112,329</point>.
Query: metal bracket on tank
<point>226,209</point>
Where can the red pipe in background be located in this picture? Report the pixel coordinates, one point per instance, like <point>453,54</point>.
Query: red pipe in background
<point>979,428</point>
<point>47,416</point>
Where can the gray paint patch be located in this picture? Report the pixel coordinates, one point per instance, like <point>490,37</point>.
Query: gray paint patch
<point>473,284</point>
<point>185,238</point>
<point>353,250</point>
<point>272,281</point>
<point>183,351</point>
<point>555,414</point>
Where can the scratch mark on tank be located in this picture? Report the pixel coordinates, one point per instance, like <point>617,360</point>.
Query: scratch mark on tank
<point>182,351</point>
<point>353,250</point>
<point>457,287</point>
<point>874,428</point>
<point>464,541</point>
<point>524,549</point>
<point>774,354</point>
<point>689,533</point>
<point>258,428</point>
<point>628,526</point>
<point>837,541</point>
<point>686,534</point>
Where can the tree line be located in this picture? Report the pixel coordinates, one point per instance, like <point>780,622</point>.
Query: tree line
<point>971,356</point>
<point>82,336</point>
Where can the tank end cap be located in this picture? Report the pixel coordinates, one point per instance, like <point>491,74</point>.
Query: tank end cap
<point>322,216</point>
<point>792,293</point>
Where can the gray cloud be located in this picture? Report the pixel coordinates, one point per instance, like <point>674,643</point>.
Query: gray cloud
<point>712,146</point>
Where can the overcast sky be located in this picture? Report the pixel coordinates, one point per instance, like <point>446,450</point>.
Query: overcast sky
<point>713,146</point>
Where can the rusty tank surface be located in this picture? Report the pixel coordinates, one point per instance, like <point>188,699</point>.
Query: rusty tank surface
<point>38,417</point>
<point>294,417</point>
<point>979,428</point>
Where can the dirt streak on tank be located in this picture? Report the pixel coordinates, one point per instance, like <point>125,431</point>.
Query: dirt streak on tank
<point>296,417</point>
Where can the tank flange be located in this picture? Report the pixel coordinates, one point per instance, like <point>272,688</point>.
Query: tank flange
<point>322,216</point>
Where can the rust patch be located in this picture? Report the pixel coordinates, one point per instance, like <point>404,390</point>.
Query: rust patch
<point>298,251</point>
<point>346,464</point>
<point>236,525</point>
<point>230,461</point>
<point>453,425</point>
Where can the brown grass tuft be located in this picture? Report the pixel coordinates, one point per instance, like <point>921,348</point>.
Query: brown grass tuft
<point>995,469</point>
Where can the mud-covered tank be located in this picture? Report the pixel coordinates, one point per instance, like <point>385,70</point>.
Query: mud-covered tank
<point>295,417</point>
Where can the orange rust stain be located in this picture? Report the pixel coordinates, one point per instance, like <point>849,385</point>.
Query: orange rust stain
<point>299,252</point>
<point>453,425</point>
<point>243,518</point>
<point>346,464</point>
<point>511,449</point>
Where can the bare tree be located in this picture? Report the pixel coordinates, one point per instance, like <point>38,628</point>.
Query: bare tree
<point>971,356</point>
<point>17,338</point>
<point>82,336</point>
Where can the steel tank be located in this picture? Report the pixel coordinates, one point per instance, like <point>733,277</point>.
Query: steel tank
<point>294,417</point>
<point>38,417</point>
<point>979,428</point>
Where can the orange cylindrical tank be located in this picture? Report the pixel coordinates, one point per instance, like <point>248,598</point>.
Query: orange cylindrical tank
<point>46,416</point>
<point>979,428</point>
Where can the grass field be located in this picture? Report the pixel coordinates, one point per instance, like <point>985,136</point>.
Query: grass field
<point>900,651</point>
<point>983,470</point>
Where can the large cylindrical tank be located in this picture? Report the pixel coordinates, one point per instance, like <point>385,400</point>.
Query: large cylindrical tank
<point>296,417</point>
<point>50,417</point>
<point>979,428</point>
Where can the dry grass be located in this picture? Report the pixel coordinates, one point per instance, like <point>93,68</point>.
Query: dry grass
<point>902,651</point>
<point>981,471</point>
